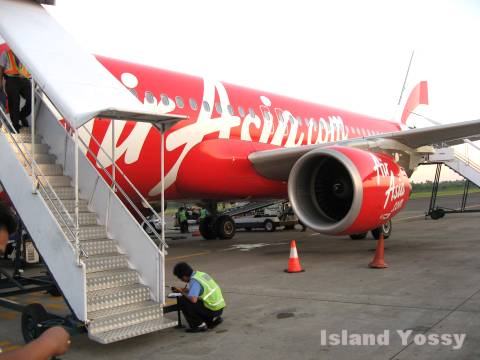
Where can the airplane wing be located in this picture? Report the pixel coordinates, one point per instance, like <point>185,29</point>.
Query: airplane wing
<point>276,164</point>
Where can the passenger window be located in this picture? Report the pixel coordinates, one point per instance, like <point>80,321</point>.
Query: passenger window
<point>281,120</point>
<point>230,109</point>
<point>134,92</point>
<point>266,116</point>
<point>241,111</point>
<point>165,100</point>
<point>251,112</point>
<point>218,107</point>
<point>193,104</point>
<point>179,101</point>
<point>206,106</point>
<point>149,97</point>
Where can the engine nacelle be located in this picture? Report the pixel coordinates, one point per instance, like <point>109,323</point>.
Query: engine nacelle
<point>341,190</point>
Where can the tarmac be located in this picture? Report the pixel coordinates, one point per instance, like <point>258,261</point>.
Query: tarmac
<point>432,287</point>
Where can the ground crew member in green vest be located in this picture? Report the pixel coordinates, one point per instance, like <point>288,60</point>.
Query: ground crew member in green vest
<point>17,83</point>
<point>203,213</point>
<point>183,220</point>
<point>202,302</point>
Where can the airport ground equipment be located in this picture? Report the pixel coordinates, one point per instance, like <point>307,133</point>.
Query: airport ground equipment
<point>464,159</point>
<point>110,272</point>
<point>252,206</point>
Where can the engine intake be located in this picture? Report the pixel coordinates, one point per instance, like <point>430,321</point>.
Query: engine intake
<point>340,190</point>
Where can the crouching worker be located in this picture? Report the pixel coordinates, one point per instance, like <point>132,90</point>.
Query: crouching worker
<point>202,302</point>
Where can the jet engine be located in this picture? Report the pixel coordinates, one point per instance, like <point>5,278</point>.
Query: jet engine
<point>341,190</point>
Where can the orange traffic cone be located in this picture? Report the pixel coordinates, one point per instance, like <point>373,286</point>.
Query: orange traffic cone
<point>379,259</point>
<point>293,263</point>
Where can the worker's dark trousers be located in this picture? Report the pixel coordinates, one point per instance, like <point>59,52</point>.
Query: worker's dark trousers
<point>197,313</point>
<point>16,87</point>
<point>184,226</point>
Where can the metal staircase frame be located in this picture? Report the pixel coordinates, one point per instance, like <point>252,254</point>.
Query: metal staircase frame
<point>438,212</point>
<point>70,225</point>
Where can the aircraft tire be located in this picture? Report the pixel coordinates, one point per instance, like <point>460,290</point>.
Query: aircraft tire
<point>385,228</point>
<point>208,229</point>
<point>225,227</point>
<point>358,236</point>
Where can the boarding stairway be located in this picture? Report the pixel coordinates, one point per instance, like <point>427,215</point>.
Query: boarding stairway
<point>464,159</point>
<point>118,304</point>
<point>252,206</point>
<point>110,272</point>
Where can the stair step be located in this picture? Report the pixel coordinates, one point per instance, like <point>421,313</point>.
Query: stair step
<point>48,169</point>
<point>63,192</point>
<point>39,148</point>
<point>133,330</point>
<point>39,159</point>
<point>25,138</point>
<point>92,232</point>
<point>124,316</point>
<point>112,278</point>
<point>97,247</point>
<point>105,262</point>
<point>55,181</point>
<point>118,296</point>
<point>84,218</point>
<point>25,130</point>
<point>70,205</point>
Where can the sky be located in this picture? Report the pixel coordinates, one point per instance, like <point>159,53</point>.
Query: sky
<point>345,53</point>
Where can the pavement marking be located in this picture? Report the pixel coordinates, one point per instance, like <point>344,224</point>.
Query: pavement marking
<point>8,315</point>
<point>188,256</point>
<point>248,247</point>
<point>10,348</point>
<point>438,322</point>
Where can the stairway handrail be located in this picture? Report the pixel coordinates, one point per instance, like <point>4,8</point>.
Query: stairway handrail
<point>39,174</point>
<point>45,99</point>
<point>117,168</point>
<point>129,200</point>
<point>468,161</point>
<point>471,143</point>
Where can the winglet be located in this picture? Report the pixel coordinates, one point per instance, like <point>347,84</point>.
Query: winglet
<point>419,95</point>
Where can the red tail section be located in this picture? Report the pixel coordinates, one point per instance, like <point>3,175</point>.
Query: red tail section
<point>419,95</point>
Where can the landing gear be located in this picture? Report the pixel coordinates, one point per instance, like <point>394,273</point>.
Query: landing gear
<point>208,228</point>
<point>359,236</point>
<point>222,227</point>
<point>225,227</point>
<point>386,229</point>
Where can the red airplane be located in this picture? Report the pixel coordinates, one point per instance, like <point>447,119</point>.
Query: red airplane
<point>344,173</point>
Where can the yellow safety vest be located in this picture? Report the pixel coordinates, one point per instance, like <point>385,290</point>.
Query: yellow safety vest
<point>13,69</point>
